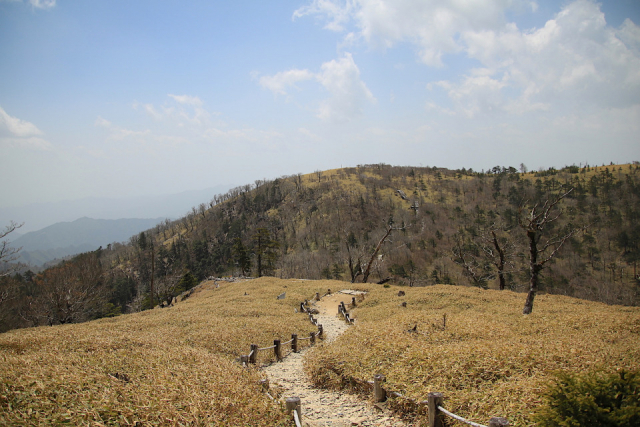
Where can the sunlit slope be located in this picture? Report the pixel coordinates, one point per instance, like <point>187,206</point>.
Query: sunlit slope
<point>486,357</point>
<point>171,366</point>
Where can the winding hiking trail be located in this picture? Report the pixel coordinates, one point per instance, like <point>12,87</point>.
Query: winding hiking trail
<point>324,408</point>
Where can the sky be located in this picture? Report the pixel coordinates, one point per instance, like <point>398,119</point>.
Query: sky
<point>131,98</point>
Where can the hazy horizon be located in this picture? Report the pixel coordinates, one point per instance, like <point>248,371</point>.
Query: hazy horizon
<point>121,99</point>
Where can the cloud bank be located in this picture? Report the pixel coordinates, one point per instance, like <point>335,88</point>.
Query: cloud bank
<point>340,77</point>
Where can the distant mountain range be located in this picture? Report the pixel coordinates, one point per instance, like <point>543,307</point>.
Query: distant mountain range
<point>63,239</point>
<point>39,215</point>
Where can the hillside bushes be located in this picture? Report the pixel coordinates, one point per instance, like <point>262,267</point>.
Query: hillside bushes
<point>595,399</point>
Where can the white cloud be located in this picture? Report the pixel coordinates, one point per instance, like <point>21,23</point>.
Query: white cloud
<point>102,122</point>
<point>284,79</point>
<point>184,109</point>
<point>42,4</point>
<point>187,100</point>
<point>432,26</point>
<point>574,60</point>
<point>348,92</point>
<point>16,126</point>
<point>340,77</point>
<point>16,131</point>
<point>118,133</point>
<point>575,56</point>
<point>38,4</point>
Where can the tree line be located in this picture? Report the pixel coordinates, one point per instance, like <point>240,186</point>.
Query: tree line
<point>571,231</point>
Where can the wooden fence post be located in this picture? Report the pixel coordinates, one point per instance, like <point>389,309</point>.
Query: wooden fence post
<point>317,296</point>
<point>320,332</point>
<point>293,404</point>
<point>379,392</point>
<point>294,343</point>
<point>498,422</point>
<point>265,384</point>
<point>277,350</point>
<point>244,359</point>
<point>353,301</point>
<point>435,416</point>
<point>312,338</point>
<point>302,309</point>
<point>253,355</point>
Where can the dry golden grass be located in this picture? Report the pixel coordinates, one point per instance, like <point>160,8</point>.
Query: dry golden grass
<point>489,360</point>
<point>172,366</point>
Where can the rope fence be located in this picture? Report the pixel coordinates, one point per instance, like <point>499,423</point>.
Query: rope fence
<point>293,404</point>
<point>433,405</point>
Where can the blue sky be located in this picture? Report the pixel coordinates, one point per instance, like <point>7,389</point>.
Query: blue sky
<point>126,98</point>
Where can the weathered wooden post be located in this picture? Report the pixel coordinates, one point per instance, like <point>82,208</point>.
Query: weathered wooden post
<point>277,350</point>
<point>328,291</point>
<point>294,343</point>
<point>343,306</point>
<point>302,309</point>
<point>265,384</point>
<point>253,355</point>
<point>353,301</point>
<point>293,404</point>
<point>379,392</point>
<point>244,359</point>
<point>320,332</point>
<point>317,296</point>
<point>435,416</point>
<point>498,422</point>
<point>312,338</point>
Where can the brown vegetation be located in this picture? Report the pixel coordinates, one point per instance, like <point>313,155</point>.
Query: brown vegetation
<point>476,347</point>
<point>172,366</point>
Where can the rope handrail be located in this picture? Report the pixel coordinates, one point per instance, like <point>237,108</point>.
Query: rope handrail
<point>288,342</point>
<point>297,420</point>
<point>459,418</point>
<point>251,354</point>
<point>266,348</point>
<point>305,338</point>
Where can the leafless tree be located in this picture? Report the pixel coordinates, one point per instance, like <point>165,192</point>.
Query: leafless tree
<point>7,252</point>
<point>71,292</point>
<point>367,271</point>
<point>542,248</point>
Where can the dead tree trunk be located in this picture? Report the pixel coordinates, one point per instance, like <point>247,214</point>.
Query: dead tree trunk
<point>534,224</point>
<point>367,271</point>
<point>500,262</point>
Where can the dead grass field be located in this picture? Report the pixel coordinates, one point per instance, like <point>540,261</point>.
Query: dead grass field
<point>176,366</point>
<point>489,360</point>
<point>172,366</point>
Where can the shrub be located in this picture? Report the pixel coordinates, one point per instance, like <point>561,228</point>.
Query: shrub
<point>592,399</point>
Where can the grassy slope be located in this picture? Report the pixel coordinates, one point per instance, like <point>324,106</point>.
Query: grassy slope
<point>489,360</point>
<point>161,367</point>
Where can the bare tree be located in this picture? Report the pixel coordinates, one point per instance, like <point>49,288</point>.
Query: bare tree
<point>535,222</point>
<point>71,292</point>
<point>367,271</point>
<point>498,251</point>
<point>7,253</point>
<point>466,254</point>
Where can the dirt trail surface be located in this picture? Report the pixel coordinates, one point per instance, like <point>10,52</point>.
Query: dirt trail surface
<point>324,408</point>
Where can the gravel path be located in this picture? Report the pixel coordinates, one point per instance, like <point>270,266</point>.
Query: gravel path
<point>322,408</point>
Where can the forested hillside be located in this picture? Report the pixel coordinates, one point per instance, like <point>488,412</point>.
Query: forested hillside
<point>376,223</point>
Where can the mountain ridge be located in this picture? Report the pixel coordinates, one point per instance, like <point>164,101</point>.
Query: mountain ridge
<point>64,239</point>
